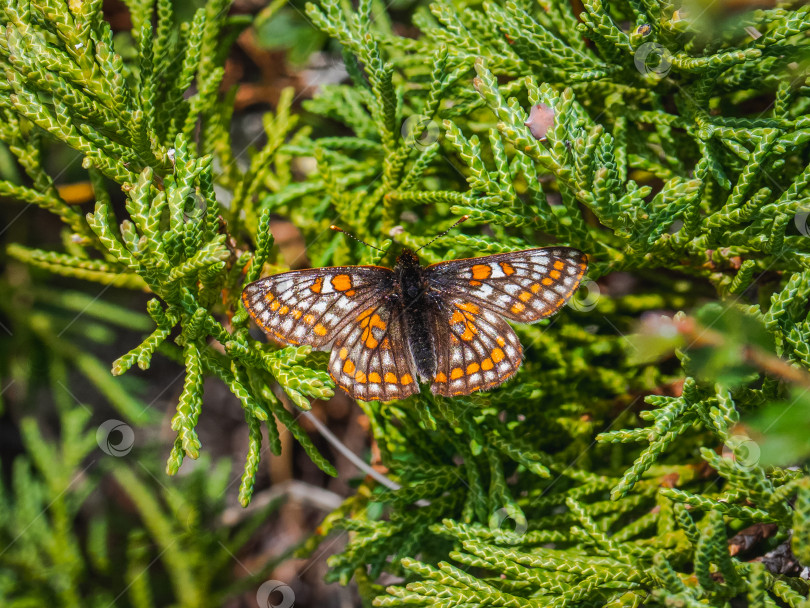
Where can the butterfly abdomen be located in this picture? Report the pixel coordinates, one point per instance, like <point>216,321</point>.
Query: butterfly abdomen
<point>413,292</point>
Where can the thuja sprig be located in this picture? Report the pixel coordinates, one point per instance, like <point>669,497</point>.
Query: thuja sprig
<point>134,123</point>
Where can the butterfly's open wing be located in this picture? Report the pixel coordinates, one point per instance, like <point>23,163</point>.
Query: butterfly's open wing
<point>312,306</point>
<point>523,286</point>
<point>369,357</point>
<point>475,348</point>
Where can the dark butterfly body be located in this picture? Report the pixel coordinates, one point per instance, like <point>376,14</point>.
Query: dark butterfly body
<point>443,324</point>
<point>418,305</point>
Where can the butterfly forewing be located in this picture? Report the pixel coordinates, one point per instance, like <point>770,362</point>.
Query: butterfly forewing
<point>476,349</point>
<point>523,286</point>
<point>369,357</point>
<point>312,306</point>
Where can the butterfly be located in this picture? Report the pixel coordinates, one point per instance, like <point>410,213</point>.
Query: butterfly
<point>443,324</point>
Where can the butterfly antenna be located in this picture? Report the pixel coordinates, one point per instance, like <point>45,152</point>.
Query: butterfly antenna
<point>463,218</point>
<point>349,234</point>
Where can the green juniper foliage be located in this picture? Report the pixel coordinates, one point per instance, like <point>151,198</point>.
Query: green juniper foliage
<point>677,159</point>
<point>47,562</point>
<point>150,543</point>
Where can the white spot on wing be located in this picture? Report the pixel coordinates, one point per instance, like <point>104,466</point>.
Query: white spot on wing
<point>484,291</point>
<point>497,271</point>
<point>319,306</point>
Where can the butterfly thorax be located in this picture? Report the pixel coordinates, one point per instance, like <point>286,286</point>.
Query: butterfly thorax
<point>412,290</point>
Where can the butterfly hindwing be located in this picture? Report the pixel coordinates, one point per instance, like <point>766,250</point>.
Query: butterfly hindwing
<point>369,357</point>
<point>523,286</point>
<point>312,306</point>
<point>475,349</point>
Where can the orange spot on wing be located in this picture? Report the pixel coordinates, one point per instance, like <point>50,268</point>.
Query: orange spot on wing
<point>472,368</point>
<point>487,365</point>
<point>348,367</point>
<point>518,307</point>
<point>547,281</point>
<point>360,377</point>
<point>554,274</point>
<point>386,345</point>
<point>481,271</point>
<point>500,341</point>
<point>350,293</point>
<point>297,314</point>
<point>343,353</point>
<point>284,310</point>
<point>374,377</point>
<point>275,306</point>
<point>317,286</point>
<point>469,332</point>
<point>475,283</point>
<point>269,296</point>
<point>468,306</point>
<point>456,317</point>
<point>525,296</point>
<point>363,315</point>
<point>319,329</point>
<point>456,373</point>
<point>376,321</point>
<point>309,319</point>
<point>406,379</point>
<point>536,287</point>
<point>507,268</point>
<point>497,355</point>
<point>559,265</point>
<point>342,282</point>
<point>389,377</point>
<point>441,377</point>
<point>370,323</point>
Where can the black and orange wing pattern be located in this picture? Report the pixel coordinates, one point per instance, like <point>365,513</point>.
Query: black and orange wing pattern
<point>312,306</point>
<point>370,357</point>
<point>476,347</point>
<point>523,286</point>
